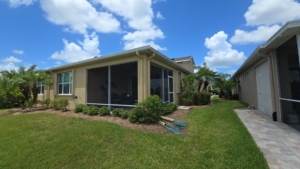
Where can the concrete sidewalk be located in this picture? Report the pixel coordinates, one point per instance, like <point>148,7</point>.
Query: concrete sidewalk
<point>279,143</point>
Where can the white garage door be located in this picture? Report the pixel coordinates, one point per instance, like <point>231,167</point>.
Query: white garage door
<point>264,89</point>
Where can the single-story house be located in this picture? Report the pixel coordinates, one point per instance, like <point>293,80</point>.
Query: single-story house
<point>269,79</point>
<point>118,80</point>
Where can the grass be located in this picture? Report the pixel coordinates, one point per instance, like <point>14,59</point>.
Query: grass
<point>216,138</point>
<point>4,111</point>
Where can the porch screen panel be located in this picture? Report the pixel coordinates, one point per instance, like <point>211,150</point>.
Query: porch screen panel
<point>289,82</point>
<point>156,81</point>
<point>124,84</point>
<point>97,86</point>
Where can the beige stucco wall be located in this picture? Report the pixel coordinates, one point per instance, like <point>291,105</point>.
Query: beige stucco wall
<point>80,79</point>
<point>187,64</point>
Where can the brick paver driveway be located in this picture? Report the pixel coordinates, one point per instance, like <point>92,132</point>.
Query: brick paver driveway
<point>279,143</point>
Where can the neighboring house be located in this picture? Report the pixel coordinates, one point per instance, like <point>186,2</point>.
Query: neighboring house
<point>118,80</point>
<point>270,78</point>
<point>187,62</point>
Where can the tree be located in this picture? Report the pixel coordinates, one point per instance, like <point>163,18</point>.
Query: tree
<point>27,81</point>
<point>204,76</point>
<point>8,86</point>
<point>225,83</point>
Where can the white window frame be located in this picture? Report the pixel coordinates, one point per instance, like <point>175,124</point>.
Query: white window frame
<point>64,83</point>
<point>40,86</point>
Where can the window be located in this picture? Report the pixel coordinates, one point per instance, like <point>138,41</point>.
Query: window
<point>65,83</point>
<point>40,86</point>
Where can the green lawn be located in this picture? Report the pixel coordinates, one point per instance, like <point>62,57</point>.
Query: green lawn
<point>4,111</point>
<point>216,138</point>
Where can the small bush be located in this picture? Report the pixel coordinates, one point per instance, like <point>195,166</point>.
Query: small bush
<point>104,111</point>
<point>234,97</point>
<point>187,99</point>
<point>92,110</point>
<point>169,108</point>
<point>147,111</point>
<point>117,112</point>
<point>59,104</point>
<point>202,98</point>
<point>79,108</point>
<point>4,102</point>
<point>47,102</point>
<point>85,109</point>
<point>124,114</point>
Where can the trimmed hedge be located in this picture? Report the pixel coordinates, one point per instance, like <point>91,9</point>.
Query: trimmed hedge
<point>117,112</point>
<point>169,108</point>
<point>92,110</point>
<point>202,98</point>
<point>103,111</point>
<point>79,108</point>
<point>59,104</point>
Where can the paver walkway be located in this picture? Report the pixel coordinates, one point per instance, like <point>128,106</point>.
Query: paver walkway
<point>279,143</point>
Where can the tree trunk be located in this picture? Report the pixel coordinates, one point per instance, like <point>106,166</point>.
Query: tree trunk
<point>26,93</point>
<point>205,86</point>
<point>35,91</point>
<point>199,85</point>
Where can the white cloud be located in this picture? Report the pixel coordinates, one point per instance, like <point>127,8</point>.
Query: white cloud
<point>73,52</point>
<point>11,59</point>
<point>20,52</point>
<point>221,54</point>
<point>139,15</point>
<point>156,1</point>
<point>262,33</point>
<point>8,66</point>
<point>269,12</point>
<point>159,16</point>
<point>16,3</point>
<point>79,15</point>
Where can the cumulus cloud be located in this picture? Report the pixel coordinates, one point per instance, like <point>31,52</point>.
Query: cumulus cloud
<point>269,12</point>
<point>139,15</point>
<point>159,16</point>
<point>262,33</point>
<point>79,15</point>
<point>221,54</point>
<point>11,59</point>
<point>73,52</point>
<point>8,63</point>
<point>16,3</point>
<point>20,52</point>
<point>267,16</point>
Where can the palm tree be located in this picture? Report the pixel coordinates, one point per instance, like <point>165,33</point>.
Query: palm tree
<point>225,83</point>
<point>204,76</point>
<point>27,81</point>
<point>8,86</point>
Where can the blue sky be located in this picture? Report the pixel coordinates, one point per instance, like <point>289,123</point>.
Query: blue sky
<point>221,33</point>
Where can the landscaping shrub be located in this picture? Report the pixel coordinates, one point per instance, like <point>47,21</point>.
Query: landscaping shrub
<point>47,102</point>
<point>79,108</point>
<point>92,110</point>
<point>4,103</point>
<point>124,114</point>
<point>147,111</point>
<point>234,97</point>
<point>169,108</point>
<point>104,111</point>
<point>187,98</point>
<point>85,109</point>
<point>202,98</point>
<point>59,104</point>
<point>117,112</point>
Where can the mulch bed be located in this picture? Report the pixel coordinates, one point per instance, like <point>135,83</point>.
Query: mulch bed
<point>156,128</point>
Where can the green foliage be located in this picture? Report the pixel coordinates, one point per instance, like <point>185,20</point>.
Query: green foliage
<point>104,111</point>
<point>225,83</point>
<point>47,102</point>
<point>147,111</point>
<point>204,77</point>
<point>234,97</point>
<point>92,110</point>
<point>79,108</point>
<point>4,102</point>
<point>202,98</point>
<point>85,109</point>
<point>215,98</point>
<point>117,112</point>
<point>124,114</point>
<point>59,104</point>
<point>188,88</point>
<point>169,108</point>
